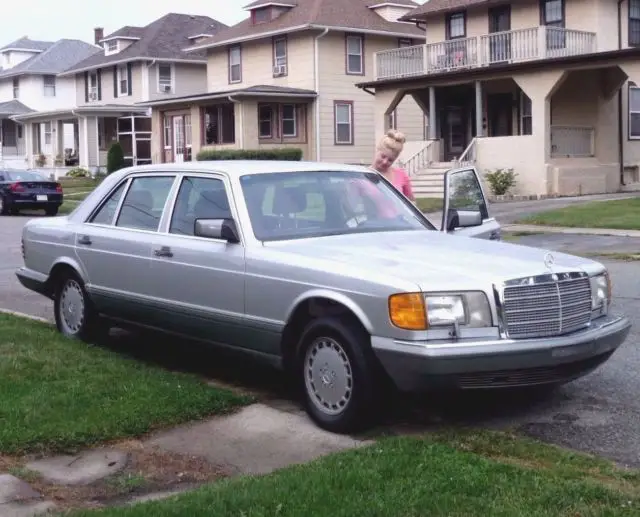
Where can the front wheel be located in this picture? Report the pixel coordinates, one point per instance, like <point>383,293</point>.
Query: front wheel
<point>337,370</point>
<point>74,312</point>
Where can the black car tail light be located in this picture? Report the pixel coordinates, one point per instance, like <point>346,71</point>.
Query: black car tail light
<point>59,188</point>
<point>16,187</point>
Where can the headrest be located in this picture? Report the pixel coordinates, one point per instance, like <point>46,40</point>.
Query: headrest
<point>289,200</point>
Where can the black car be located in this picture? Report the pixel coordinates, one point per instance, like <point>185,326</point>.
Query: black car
<point>28,190</point>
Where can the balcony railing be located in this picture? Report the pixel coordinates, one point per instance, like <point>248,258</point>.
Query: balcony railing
<point>572,141</point>
<point>500,47</point>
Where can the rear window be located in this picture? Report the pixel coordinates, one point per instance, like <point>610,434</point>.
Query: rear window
<point>23,176</point>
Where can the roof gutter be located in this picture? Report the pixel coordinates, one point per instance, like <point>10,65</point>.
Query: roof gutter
<point>208,97</point>
<point>131,60</point>
<point>241,128</point>
<point>316,73</point>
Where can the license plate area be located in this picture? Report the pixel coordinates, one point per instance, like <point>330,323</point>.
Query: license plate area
<point>42,197</point>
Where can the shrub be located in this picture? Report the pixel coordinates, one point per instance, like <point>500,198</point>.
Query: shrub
<point>288,153</point>
<point>115,157</point>
<point>78,172</point>
<point>501,181</point>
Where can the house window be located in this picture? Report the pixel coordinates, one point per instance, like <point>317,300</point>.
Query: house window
<point>16,87</point>
<point>634,23</point>
<point>354,49</point>
<point>277,120</point>
<point>343,118</point>
<point>289,122</point>
<point>47,133</point>
<point>166,126</point>
<point>49,85</point>
<point>526,120</point>
<point>552,15</point>
<point>165,82</point>
<point>265,121</point>
<point>634,113</point>
<point>93,86</point>
<point>235,64</point>
<point>405,42</point>
<point>456,25</point>
<point>279,56</point>
<point>219,124</point>
<point>261,15</point>
<point>123,86</point>
<point>392,120</point>
<point>112,46</point>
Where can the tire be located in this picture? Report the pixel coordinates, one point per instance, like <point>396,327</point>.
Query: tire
<point>51,212</point>
<point>340,398</point>
<point>82,320</point>
<point>4,207</point>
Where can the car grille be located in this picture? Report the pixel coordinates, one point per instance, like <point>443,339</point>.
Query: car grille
<point>548,305</point>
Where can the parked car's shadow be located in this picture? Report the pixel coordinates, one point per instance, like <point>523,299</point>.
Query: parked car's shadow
<point>268,384</point>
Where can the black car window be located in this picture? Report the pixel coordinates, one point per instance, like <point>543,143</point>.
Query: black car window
<point>105,213</point>
<point>143,205</point>
<point>199,198</point>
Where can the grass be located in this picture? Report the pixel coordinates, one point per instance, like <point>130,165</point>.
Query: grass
<point>448,474</point>
<point>57,394</point>
<point>621,214</point>
<point>429,204</point>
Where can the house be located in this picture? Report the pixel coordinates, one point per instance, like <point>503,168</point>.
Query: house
<point>133,64</point>
<point>285,77</point>
<point>29,84</point>
<point>546,87</point>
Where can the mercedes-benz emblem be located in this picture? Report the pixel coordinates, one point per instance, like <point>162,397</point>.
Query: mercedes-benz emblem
<point>549,260</point>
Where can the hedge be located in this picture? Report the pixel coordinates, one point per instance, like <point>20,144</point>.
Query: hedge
<point>289,154</point>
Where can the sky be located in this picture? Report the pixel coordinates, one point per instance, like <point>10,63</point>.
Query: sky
<point>48,20</point>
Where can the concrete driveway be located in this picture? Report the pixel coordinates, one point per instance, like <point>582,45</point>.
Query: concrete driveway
<point>599,413</point>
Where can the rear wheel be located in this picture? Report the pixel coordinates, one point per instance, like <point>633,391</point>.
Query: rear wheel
<point>51,211</point>
<point>338,373</point>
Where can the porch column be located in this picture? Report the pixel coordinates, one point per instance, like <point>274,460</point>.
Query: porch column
<point>432,113</point>
<point>479,109</point>
<point>59,125</point>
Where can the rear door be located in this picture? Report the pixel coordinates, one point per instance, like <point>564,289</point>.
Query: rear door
<point>463,192</point>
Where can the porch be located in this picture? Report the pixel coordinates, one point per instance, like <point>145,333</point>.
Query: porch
<point>498,48</point>
<point>12,138</point>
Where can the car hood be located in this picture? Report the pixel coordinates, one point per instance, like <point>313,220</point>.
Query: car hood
<point>430,258</point>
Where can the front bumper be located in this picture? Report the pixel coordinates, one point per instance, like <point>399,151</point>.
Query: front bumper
<point>420,365</point>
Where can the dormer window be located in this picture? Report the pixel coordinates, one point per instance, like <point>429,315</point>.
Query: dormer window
<point>261,15</point>
<point>267,10</point>
<point>111,46</point>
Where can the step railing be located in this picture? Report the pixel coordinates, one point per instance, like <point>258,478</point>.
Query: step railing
<point>420,159</point>
<point>468,157</point>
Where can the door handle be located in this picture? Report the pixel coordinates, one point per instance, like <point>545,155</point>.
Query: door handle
<point>85,239</point>
<point>165,251</point>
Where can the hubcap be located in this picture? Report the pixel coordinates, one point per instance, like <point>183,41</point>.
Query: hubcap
<point>72,307</point>
<point>1,203</point>
<point>328,376</point>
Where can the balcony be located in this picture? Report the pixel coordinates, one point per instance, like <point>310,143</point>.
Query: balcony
<point>514,46</point>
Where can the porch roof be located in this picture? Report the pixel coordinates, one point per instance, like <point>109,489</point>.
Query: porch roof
<point>282,92</point>
<point>13,107</point>
<point>107,109</point>
<point>595,59</point>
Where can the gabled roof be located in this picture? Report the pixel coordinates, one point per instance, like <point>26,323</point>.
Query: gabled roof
<point>58,57</point>
<point>352,15</point>
<point>13,107</point>
<point>25,43</point>
<point>162,39</point>
<point>432,7</point>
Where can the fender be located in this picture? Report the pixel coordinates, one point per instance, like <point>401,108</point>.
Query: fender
<point>336,297</point>
<point>73,263</point>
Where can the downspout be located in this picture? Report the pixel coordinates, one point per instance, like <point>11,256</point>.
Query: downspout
<point>316,64</point>
<point>241,125</point>
<point>620,126</point>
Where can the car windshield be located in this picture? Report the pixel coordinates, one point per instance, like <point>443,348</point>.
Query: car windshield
<point>22,176</point>
<point>292,205</point>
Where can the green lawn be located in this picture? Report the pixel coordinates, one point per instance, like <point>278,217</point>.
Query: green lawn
<point>455,475</point>
<point>622,214</point>
<point>429,204</point>
<point>56,393</point>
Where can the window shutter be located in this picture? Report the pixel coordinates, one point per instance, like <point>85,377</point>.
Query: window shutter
<point>129,79</point>
<point>86,87</point>
<point>115,82</point>
<point>99,80</point>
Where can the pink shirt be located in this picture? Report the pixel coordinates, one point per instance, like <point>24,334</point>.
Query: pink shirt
<point>401,181</point>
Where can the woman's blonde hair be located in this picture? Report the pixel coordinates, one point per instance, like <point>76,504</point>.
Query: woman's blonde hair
<point>393,141</point>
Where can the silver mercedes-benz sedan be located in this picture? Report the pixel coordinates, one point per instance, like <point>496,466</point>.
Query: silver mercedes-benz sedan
<point>329,272</point>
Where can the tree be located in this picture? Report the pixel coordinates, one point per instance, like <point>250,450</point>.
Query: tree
<point>115,157</point>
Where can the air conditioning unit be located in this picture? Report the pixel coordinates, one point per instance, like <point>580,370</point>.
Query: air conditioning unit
<point>166,88</point>
<point>280,70</point>
<point>93,96</point>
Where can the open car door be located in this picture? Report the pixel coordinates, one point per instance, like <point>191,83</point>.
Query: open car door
<point>466,211</point>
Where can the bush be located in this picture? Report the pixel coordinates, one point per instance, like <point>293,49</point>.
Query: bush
<point>288,153</point>
<point>501,181</point>
<point>78,172</point>
<point>115,157</point>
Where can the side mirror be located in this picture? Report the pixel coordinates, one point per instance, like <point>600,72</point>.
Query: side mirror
<point>463,219</point>
<point>224,229</point>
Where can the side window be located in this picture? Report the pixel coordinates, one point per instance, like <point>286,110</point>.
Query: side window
<point>105,213</point>
<point>144,202</point>
<point>199,198</point>
<point>465,192</point>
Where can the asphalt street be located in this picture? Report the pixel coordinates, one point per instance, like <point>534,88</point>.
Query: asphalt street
<point>599,413</point>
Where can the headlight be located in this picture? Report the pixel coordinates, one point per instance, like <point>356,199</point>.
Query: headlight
<point>466,309</point>
<point>600,294</point>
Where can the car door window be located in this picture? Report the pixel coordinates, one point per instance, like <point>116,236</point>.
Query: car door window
<point>199,198</point>
<point>144,202</point>
<point>105,213</point>
<point>465,193</point>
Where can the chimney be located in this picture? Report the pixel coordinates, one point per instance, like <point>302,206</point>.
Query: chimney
<point>98,34</point>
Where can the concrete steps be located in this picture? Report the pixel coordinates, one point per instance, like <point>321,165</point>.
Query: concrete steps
<point>430,182</point>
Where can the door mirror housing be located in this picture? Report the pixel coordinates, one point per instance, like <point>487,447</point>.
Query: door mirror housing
<point>463,219</point>
<point>224,229</point>
<point>465,204</point>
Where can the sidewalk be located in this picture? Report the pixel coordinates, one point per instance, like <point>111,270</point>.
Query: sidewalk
<point>535,228</point>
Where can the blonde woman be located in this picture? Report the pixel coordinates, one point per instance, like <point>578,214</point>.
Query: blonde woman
<point>387,151</point>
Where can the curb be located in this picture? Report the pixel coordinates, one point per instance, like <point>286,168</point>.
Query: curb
<point>25,316</point>
<point>534,228</point>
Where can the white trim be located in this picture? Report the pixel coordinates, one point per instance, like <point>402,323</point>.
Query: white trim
<point>200,36</point>
<point>109,51</point>
<point>172,82</point>
<point>360,54</point>
<point>213,96</point>
<point>230,64</point>
<point>131,38</point>
<point>75,71</point>
<point>78,112</point>
<point>12,49</point>
<point>392,4</point>
<point>250,7</point>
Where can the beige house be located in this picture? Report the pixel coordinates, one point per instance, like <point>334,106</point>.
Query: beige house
<point>129,66</point>
<point>546,87</point>
<point>286,76</point>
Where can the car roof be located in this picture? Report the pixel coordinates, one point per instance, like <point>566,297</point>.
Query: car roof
<point>242,167</point>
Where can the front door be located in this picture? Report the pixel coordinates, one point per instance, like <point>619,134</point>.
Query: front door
<point>500,39</point>
<point>454,131</point>
<point>500,111</point>
<point>178,139</point>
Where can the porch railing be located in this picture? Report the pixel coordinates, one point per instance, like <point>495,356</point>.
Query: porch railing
<point>13,150</point>
<point>572,141</point>
<point>468,157</point>
<point>501,47</point>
